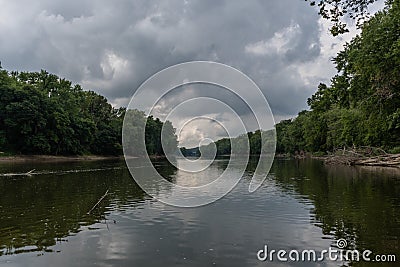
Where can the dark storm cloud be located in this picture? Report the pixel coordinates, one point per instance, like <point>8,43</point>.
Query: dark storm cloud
<point>113,46</point>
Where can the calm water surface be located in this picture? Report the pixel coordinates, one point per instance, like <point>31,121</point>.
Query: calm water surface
<point>301,205</point>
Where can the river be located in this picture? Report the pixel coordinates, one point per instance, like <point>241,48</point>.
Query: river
<point>301,205</point>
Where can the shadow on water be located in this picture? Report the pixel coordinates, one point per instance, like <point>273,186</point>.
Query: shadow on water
<point>359,204</point>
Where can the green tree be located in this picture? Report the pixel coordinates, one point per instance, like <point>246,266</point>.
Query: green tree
<point>337,11</point>
<point>41,113</point>
<point>361,105</point>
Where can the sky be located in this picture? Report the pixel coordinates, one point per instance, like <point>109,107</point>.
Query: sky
<point>112,47</point>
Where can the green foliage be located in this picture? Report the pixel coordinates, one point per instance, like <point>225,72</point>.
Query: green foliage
<point>345,128</point>
<point>41,113</point>
<point>395,150</point>
<point>361,106</point>
<point>250,143</point>
<point>223,146</point>
<point>169,139</point>
<point>159,137</point>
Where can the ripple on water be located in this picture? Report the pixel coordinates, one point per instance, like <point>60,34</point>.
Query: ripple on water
<point>297,206</point>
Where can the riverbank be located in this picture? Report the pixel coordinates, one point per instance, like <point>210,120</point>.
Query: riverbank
<point>365,156</point>
<point>50,158</point>
<point>349,158</point>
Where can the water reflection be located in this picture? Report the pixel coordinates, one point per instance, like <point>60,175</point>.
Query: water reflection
<point>302,204</point>
<point>359,204</point>
<point>40,210</point>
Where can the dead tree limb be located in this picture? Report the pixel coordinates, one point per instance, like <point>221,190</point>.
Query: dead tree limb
<point>98,202</point>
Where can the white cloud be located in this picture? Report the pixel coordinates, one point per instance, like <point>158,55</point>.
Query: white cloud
<point>280,43</point>
<point>113,46</point>
<point>321,69</point>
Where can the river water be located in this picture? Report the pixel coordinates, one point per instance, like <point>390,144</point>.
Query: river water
<point>301,205</point>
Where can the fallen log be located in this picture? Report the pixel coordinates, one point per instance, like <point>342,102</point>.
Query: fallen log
<point>350,157</point>
<point>386,160</point>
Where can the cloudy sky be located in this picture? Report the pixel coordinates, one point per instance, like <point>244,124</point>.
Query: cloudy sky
<point>111,47</point>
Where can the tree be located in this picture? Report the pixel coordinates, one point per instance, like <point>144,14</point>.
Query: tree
<point>337,10</point>
<point>139,127</point>
<point>361,105</point>
<point>41,113</point>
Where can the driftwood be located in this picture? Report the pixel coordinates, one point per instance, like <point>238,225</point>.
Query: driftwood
<point>98,202</point>
<point>387,160</point>
<point>30,172</point>
<point>366,156</point>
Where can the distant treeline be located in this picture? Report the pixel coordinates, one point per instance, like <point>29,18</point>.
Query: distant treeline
<point>361,106</point>
<point>41,113</point>
<point>250,143</point>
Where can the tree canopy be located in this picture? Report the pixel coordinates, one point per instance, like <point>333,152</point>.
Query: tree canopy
<point>338,10</point>
<point>41,113</point>
<point>361,106</point>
